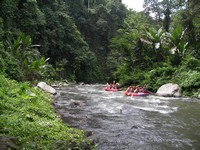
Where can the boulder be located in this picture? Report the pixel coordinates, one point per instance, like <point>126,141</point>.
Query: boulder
<point>7,143</point>
<point>169,90</point>
<point>46,88</point>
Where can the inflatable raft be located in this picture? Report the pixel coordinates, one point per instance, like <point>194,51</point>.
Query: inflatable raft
<point>107,88</point>
<point>136,94</point>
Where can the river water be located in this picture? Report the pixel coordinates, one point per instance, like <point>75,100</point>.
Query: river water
<point>119,122</point>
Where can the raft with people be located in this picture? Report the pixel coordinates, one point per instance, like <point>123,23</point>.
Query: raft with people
<point>137,94</point>
<point>112,87</point>
<point>137,91</point>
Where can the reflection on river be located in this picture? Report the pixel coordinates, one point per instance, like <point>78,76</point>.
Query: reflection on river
<point>131,123</point>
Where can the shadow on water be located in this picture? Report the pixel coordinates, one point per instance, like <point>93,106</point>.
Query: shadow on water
<point>128,123</point>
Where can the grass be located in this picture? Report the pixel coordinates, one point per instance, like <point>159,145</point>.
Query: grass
<point>27,114</point>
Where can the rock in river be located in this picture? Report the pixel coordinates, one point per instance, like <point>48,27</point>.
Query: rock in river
<point>169,89</point>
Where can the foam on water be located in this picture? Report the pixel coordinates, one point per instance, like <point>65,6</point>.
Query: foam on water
<point>114,102</point>
<point>154,100</point>
<point>163,111</point>
<point>124,122</point>
<point>74,93</point>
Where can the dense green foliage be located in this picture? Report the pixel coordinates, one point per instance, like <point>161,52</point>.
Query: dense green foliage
<point>157,53</point>
<point>27,115</point>
<point>53,30</point>
<point>98,21</point>
<point>89,41</point>
<point>99,40</point>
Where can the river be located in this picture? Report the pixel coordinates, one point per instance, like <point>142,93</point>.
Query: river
<point>119,122</point>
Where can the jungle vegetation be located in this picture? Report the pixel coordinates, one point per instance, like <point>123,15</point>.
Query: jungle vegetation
<point>96,41</point>
<point>101,40</point>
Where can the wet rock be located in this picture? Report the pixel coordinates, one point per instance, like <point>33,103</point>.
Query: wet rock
<point>56,96</point>
<point>88,133</point>
<point>169,90</point>
<point>46,88</point>
<point>81,83</point>
<point>56,84</point>
<point>135,127</point>
<point>7,143</point>
<point>75,104</point>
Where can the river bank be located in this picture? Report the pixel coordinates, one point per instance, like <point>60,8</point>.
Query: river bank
<point>29,121</point>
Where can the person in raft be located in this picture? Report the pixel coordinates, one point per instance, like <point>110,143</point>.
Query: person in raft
<point>113,85</point>
<point>137,89</point>
<point>141,89</point>
<point>130,89</point>
<point>144,88</point>
<point>117,85</point>
<point>110,85</point>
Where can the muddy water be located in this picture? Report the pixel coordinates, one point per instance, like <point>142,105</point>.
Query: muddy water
<point>119,122</point>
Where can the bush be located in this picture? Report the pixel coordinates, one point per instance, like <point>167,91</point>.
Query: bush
<point>188,76</point>
<point>192,63</point>
<point>27,115</point>
<point>10,66</point>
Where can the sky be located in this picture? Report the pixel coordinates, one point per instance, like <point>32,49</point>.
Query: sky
<point>134,4</point>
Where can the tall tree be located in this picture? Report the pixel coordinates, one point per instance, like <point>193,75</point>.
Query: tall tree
<point>162,10</point>
<point>188,17</point>
<point>62,41</point>
<point>98,23</point>
<point>127,51</point>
